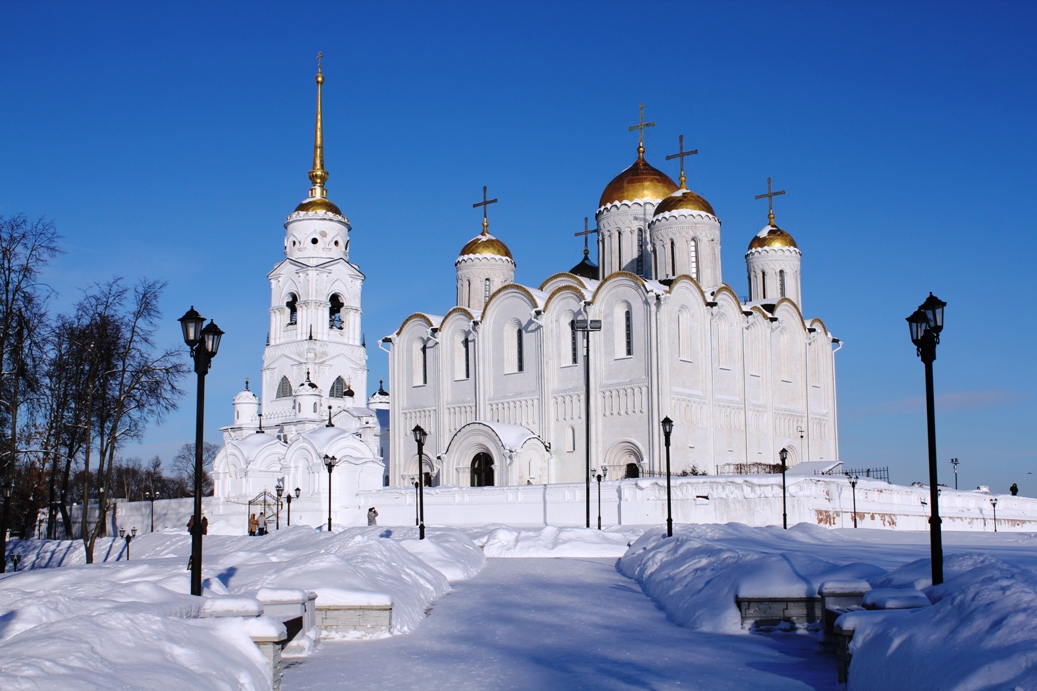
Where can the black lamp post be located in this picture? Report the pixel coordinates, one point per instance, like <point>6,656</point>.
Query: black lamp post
<point>279,488</point>
<point>993,502</point>
<point>667,424</point>
<point>586,326</point>
<point>289,498</point>
<point>204,344</point>
<point>420,436</point>
<point>416,521</point>
<point>329,462</point>
<point>151,497</point>
<point>926,324</point>
<point>784,456</point>
<point>954,462</point>
<point>853,485</point>
<point>8,489</point>
<point>128,538</point>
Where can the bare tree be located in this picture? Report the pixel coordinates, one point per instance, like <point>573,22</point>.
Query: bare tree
<point>183,466</point>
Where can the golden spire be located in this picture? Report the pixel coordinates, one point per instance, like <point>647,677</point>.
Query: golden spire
<point>681,156</point>
<point>318,176</point>
<point>640,126</point>
<point>770,202</point>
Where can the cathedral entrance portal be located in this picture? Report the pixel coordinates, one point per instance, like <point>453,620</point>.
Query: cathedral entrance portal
<point>633,470</point>
<point>482,470</point>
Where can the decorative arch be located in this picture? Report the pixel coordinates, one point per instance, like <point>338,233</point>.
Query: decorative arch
<point>337,388</point>
<point>336,304</point>
<point>565,275</point>
<point>284,388</point>
<point>623,454</point>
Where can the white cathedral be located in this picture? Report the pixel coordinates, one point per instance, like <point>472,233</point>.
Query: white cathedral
<point>315,361</point>
<point>498,381</point>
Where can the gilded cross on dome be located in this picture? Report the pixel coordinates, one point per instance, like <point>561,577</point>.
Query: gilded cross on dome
<point>640,126</point>
<point>770,202</point>
<point>484,203</point>
<point>681,156</point>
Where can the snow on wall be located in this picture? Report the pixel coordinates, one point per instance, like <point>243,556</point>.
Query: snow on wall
<point>754,500</point>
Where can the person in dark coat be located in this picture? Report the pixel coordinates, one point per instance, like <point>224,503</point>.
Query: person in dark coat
<point>1014,489</point>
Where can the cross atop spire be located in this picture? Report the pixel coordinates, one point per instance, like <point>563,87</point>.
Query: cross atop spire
<point>640,126</point>
<point>484,203</point>
<point>681,155</point>
<point>587,231</point>
<point>770,201</point>
<point>318,176</point>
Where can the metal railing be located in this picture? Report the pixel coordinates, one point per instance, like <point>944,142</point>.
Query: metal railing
<point>870,473</point>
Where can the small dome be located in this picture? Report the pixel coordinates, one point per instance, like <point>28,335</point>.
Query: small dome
<point>246,396</point>
<point>314,205</point>
<point>585,269</point>
<point>772,236</point>
<point>484,243</point>
<point>307,387</point>
<point>639,181</point>
<point>684,199</point>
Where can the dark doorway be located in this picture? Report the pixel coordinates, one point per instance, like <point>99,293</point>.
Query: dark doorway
<point>482,470</point>
<point>427,477</point>
<point>633,470</point>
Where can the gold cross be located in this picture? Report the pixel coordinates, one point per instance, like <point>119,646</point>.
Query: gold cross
<point>320,55</point>
<point>641,125</point>
<point>681,156</point>
<point>770,201</point>
<point>586,233</point>
<point>484,203</point>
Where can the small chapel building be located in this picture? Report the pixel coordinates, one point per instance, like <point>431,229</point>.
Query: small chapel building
<point>314,362</point>
<point>500,381</point>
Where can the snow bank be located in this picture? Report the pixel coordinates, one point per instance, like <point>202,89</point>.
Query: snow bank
<point>981,632</point>
<point>504,541</point>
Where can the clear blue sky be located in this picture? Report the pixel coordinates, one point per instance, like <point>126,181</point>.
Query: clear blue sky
<point>172,139</point>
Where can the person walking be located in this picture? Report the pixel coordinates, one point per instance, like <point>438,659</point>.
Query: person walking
<point>261,525</point>
<point>1014,489</point>
<point>372,516</point>
<point>253,525</point>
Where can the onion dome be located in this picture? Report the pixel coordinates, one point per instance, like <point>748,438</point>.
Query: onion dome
<point>485,244</point>
<point>586,268</point>
<point>772,236</point>
<point>683,198</point>
<point>639,181</point>
<point>348,393</point>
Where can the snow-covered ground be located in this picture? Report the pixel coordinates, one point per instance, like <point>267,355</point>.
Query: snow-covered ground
<point>584,618</point>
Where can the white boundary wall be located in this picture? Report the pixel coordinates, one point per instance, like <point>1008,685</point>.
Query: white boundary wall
<point>753,500</point>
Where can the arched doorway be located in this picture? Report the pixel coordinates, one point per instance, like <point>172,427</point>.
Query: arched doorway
<point>633,470</point>
<point>482,470</point>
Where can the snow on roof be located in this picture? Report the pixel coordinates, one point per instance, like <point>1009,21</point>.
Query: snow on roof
<point>811,468</point>
<point>512,437</point>
<point>250,444</point>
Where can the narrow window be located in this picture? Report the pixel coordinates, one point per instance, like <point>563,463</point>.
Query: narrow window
<point>781,283</point>
<point>335,312</point>
<point>655,263</point>
<point>337,388</point>
<point>570,439</point>
<point>518,349</point>
<point>763,283</point>
<point>315,407</point>
<point>673,259</point>
<point>284,388</point>
<point>693,257</point>
<point>424,363</point>
<point>640,252</point>
<point>486,291</point>
<point>468,294</point>
<point>619,251</point>
<point>291,303</point>
<point>572,341</point>
<point>466,358</point>
<point>629,336</point>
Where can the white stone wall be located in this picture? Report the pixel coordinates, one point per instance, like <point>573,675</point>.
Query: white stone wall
<point>765,266</point>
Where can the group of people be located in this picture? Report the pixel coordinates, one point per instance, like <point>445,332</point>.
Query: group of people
<point>257,526</point>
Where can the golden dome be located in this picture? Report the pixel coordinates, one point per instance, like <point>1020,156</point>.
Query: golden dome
<point>684,198</point>
<point>772,236</point>
<point>484,243</point>
<point>317,205</point>
<point>639,181</point>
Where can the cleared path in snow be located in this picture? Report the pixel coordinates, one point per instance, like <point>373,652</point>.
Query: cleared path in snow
<point>560,624</point>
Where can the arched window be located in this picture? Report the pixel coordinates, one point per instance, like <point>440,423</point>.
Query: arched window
<point>284,388</point>
<point>573,351</point>
<point>424,363</point>
<point>684,334</point>
<point>468,294</point>
<point>763,284</point>
<point>518,349</point>
<point>781,283</point>
<point>629,335</point>
<point>693,258</point>
<point>419,363</point>
<point>315,407</point>
<point>619,250</point>
<point>570,439</point>
<point>723,343</point>
<point>460,355</point>
<point>785,355</point>
<point>673,258</point>
<point>293,314</point>
<point>482,470</point>
<point>467,357</point>
<point>485,291</point>
<point>640,252</point>
<point>335,312</point>
<point>337,387</point>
